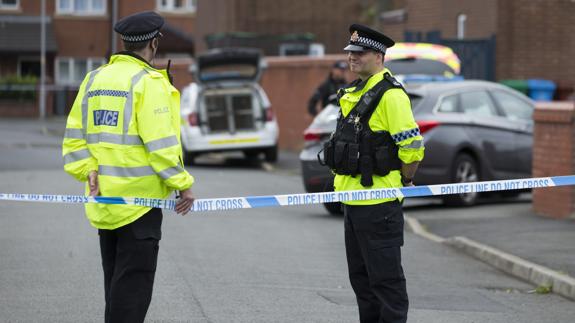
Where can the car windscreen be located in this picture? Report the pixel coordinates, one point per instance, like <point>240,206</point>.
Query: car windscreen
<point>421,66</point>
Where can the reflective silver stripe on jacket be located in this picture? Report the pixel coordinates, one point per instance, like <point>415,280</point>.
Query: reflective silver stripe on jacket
<point>75,156</point>
<point>126,171</point>
<point>72,133</point>
<point>414,144</point>
<point>85,99</point>
<point>114,139</point>
<point>162,143</point>
<point>169,172</point>
<point>130,100</point>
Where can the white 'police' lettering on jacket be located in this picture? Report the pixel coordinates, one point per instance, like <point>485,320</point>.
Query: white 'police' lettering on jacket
<point>105,118</point>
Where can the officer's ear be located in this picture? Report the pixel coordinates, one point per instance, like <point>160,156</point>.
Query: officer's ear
<point>155,43</point>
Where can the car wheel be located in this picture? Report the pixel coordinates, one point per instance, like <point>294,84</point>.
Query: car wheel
<point>271,154</point>
<point>465,169</point>
<point>189,158</point>
<point>334,208</point>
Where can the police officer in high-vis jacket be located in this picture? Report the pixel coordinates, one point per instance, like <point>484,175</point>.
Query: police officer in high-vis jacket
<point>377,144</point>
<point>123,138</point>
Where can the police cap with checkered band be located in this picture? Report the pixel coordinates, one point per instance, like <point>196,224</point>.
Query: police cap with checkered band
<point>363,38</point>
<point>139,27</point>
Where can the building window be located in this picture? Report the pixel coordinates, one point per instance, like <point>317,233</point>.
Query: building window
<point>29,66</point>
<point>9,4</point>
<point>177,6</point>
<point>73,70</point>
<point>461,19</point>
<point>81,7</point>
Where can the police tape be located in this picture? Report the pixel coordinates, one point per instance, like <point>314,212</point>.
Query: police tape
<point>235,203</point>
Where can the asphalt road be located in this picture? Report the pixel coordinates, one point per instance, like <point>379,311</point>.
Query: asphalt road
<point>264,265</point>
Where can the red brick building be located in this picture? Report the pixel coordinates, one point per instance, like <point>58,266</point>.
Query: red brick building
<point>532,38</point>
<point>79,38</point>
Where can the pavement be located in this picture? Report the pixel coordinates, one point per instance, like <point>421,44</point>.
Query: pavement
<point>505,234</point>
<point>510,237</point>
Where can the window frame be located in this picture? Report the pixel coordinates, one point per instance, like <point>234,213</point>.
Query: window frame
<point>191,6</point>
<point>494,92</point>
<point>89,12</point>
<point>493,105</point>
<point>9,7</point>
<point>442,99</point>
<point>91,62</point>
<point>22,59</point>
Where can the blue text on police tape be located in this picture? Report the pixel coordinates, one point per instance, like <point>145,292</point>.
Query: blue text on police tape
<point>493,186</point>
<point>218,204</point>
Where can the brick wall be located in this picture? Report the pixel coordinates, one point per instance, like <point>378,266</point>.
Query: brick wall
<point>535,40</point>
<point>328,20</point>
<point>553,155</point>
<point>26,109</point>
<point>441,15</point>
<point>289,83</point>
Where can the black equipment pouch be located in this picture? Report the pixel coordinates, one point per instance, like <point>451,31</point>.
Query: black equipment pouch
<point>366,160</point>
<point>352,158</point>
<point>385,154</point>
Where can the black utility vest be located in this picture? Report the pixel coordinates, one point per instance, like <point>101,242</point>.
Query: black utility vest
<point>354,149</point>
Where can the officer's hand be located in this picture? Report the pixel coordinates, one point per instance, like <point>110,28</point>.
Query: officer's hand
<point>408,184</point>
<point>185,202</point>
<point>93,183</point>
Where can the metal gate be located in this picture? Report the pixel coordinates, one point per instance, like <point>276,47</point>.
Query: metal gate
<point>477,55</point>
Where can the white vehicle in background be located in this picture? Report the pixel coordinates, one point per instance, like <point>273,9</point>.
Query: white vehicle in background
<point>225,109</point>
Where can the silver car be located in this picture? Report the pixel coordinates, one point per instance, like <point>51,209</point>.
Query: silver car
<point>473,131</point>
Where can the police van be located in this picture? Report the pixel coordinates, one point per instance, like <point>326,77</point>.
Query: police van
<point>225,109</point>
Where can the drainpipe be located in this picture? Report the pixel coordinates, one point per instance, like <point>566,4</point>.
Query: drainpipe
<point>114,19</point>
<point>43,62</point>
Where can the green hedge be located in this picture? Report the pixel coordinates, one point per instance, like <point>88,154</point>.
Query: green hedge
<point>15,88</point>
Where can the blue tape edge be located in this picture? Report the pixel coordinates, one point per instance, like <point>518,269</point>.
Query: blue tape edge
<point>110,200</point>
<point>261,201</point>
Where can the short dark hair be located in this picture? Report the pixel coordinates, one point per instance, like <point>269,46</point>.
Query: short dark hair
<point>136,46</point>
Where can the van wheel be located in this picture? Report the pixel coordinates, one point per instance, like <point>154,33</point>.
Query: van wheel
<point>271,154</point>
<point>465,169</point>
<point>190,158</point>
<point>251,154</point>
<point>334,208</point>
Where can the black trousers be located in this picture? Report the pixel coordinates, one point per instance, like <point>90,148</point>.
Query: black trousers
<point>129,258</point>
<point>373,238</point>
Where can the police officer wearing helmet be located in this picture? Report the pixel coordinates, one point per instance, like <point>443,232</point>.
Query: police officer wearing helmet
<point>377,144</point>
<point>123,138</point>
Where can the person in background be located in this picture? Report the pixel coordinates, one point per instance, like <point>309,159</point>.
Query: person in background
<point>327,90</point>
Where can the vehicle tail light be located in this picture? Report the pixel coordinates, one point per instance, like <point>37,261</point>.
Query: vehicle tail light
<point>312,135</point>
<point>269,114</point>
<point>425,126</point>
<point>193,119</point>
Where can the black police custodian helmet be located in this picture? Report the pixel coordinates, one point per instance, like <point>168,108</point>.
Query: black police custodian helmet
<point>140,26</point>
<point>363,38</point>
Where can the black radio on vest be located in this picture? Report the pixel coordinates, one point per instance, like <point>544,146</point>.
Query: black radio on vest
<point>354,149</point>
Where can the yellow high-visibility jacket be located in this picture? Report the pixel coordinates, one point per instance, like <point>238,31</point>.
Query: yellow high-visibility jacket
<point>125,124</point>
<point>392,114</point>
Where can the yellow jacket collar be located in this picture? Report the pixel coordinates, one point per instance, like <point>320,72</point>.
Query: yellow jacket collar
<point>133,58</point>
<point>359,85</point>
